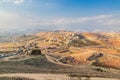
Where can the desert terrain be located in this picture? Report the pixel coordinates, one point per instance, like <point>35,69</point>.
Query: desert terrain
<point>84,54</point>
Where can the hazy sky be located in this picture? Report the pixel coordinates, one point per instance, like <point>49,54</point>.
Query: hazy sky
<point>60,14</point>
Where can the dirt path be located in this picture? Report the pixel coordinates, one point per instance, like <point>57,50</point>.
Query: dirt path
<point>51,76</point>
<point>38,76</point>
<point>53,60</point>
<point>56,61</point>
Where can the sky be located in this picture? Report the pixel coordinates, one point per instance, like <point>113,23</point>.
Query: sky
<point>80,15</point>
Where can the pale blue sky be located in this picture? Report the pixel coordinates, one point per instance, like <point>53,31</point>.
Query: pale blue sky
<point>85,15</point>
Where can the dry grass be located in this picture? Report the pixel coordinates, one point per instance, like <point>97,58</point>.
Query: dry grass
<point>14,78</point>
<point>9,45</point>
<point>108,61</point>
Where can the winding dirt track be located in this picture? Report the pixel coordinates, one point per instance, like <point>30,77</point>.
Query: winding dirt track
<point>39,76</point>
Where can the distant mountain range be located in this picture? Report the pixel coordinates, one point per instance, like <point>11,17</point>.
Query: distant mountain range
<point>5,34</point>
<point>16,32</point>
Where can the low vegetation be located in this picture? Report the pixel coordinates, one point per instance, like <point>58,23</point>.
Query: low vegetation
<point>81,43</point>
<point>14,78</point>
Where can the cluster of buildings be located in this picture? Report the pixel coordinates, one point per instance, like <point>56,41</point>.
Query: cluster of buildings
<point>29,48</point>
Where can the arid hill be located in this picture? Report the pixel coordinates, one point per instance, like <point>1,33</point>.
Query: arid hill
<point>73,48</point>
<point>81,46</point>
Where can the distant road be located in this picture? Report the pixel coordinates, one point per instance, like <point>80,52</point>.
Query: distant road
<point>8,55</point>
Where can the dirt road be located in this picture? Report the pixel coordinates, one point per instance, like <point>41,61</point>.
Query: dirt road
<point>51,76</point>
<point>38,76</point>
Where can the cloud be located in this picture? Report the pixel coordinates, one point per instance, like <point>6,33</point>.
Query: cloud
<point>74,21</point>
<point>99,22</point>
<point>12,1</point>
<point>104,20</point>
<point>18,1</point>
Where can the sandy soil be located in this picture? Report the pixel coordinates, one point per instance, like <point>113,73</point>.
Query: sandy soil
<point>38,76</point>
<point>50,77</point>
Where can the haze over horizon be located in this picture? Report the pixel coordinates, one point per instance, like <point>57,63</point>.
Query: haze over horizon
<point>80,15</point>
